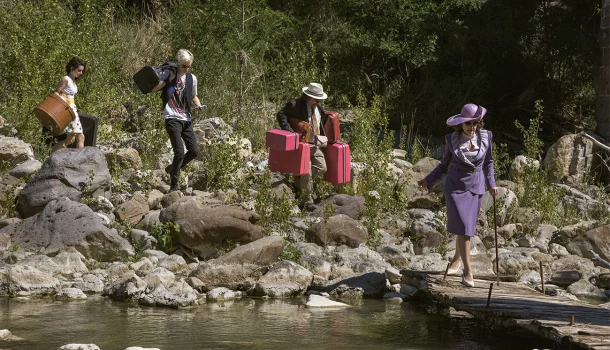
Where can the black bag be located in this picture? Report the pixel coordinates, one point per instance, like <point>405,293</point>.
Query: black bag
<point>149,76</point>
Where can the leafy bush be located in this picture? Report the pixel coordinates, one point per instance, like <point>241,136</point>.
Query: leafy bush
<point>165,233</point>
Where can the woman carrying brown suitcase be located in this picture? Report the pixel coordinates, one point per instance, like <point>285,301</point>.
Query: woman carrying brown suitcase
<point>66,88</point>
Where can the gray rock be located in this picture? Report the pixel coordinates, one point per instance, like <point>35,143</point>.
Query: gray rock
<point>262,252</point>
<point>13,151</point>
<point>596,240</point>
<point>154,199</point>
<point>368,285</point>
<point>67,172</point>
<point>220,294</point>
<point>520,164</point>
<point>70,294</point>
<point>584,288</point>
<point>25,169</point>
<point>339,229</point>
<point>123,158</point>
<point>564,278</point>
<point>88,284</point>
<point>284,279</point>
<point>26,280</point>
<point>64,223</point>
<point>126,286</point>
<point>150,220</point>
<point>568,233</point>
<point>505,200</point>
<point>232,276</point>
<point>142,239</point>
<point>570,158</point>
<point>203,226</point>
<point>351,206</point>
<point>174,263</point>
<point>133,210</point>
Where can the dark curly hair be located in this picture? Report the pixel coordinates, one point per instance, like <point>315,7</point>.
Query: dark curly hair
<point>73,63</point>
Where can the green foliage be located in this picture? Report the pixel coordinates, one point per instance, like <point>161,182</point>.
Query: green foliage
<point>291,253</point>
<point>371,143</point>
<point>541,195</point>
<point>502,160</point>
<point>165,233</point>
<point>219,163</point>
<point>274,207</point>
<point>532,142</point>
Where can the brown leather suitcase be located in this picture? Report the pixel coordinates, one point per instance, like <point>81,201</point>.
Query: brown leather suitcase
<point>303,128</point>
<point>331,127</point>
<point>54,113</point>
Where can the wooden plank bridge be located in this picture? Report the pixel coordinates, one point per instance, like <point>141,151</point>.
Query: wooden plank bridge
<point>571,324</point>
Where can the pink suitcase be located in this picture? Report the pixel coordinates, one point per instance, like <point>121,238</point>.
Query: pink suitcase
<point>282,140</point>
<point>292,162</point>
<point>338,163</point>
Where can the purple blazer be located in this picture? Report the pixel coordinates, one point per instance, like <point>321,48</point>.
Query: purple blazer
<point>464,175</point>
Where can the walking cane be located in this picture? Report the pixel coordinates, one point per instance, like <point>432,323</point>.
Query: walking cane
<point>496,234</point>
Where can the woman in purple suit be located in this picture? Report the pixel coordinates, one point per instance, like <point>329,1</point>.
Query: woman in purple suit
<point>468,159</point>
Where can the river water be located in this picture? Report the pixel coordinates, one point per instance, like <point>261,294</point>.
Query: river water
<point>245,324</point>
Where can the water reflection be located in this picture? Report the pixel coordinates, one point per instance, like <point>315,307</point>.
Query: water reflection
<point>244,324</point>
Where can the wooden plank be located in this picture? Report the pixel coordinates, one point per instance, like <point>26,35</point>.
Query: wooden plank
<point>515,304</point>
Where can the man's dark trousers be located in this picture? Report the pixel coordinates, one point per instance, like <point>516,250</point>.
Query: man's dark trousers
<point>179,130</point>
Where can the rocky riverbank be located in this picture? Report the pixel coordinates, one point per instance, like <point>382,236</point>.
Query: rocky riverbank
<point>91,221</point>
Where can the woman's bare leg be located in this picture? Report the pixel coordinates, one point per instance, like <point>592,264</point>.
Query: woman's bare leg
<point>80,140</point>
<point>463,246</point>
<point>65,143</point>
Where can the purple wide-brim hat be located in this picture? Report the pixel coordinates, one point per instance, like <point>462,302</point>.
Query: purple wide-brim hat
<point>469,112</point>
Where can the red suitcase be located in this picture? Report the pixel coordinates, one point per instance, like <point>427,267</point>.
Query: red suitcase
<point>282,140</point>
<point>331,127</point>
<point>292,162</point>
<point>338,163</point>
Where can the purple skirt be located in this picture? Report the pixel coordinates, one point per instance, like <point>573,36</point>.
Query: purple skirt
<point>462,212</point>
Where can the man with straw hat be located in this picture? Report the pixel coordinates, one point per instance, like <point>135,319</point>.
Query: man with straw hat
<point>306,110</point>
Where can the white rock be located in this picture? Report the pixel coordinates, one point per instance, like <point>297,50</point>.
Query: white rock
<point>79,347</point>
<point>220,293</point>
<point>318,301</point>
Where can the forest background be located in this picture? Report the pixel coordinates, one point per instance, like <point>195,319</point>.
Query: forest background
<point>418,62</point>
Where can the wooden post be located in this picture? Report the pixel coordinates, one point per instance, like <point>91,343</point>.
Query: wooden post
<point>542,276</point>
<point>496,235</point>
<point>446,270</point>
<point>491,287</point>
<point>571,320</point>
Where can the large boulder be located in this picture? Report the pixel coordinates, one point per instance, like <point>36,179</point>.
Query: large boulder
<point>65,223</point>
<point>124,158</point>
<point>14,151</point>
<point>339,229</point>
<point>263,252</point>
<point>284,279</point>
<point>67,172</point>
<point>232,276</point>
<point>571,158</point>
<point>133,210</point>
<point>202,227</point>
<point>368,285</point>
<point>596,241</point>
<point>23,280</point>
<point>351,206</point>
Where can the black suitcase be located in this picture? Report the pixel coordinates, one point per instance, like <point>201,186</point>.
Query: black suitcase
<point>149,76</point>
<point>89,123</point>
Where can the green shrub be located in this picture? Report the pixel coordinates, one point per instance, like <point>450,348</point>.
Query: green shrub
<point>531,140</point>
<point>165,233</point>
